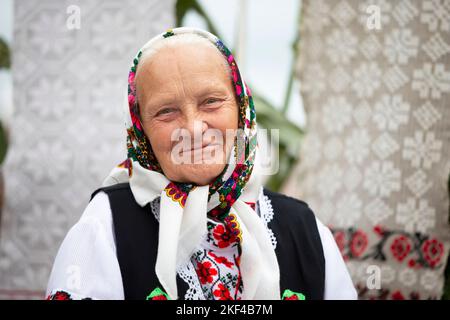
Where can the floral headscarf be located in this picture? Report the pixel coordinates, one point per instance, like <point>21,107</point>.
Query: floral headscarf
<point>184,206</point>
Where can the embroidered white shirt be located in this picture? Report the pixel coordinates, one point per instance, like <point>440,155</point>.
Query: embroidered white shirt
<point>86,264</point>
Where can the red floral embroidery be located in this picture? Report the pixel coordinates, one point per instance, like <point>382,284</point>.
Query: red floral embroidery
<point>384,294</point>
<point>233,67</point>
<point>432,251</point>
<point>222,293</point>
<point>378,230</point>
<point>400,247</point>
<point>59,295</point>
<point>205,272</point>
<point>221,260</point>
<point>358,243</point>
<point>339,237</point>
<point>174,192</point>
<point>412,263</point>
<point>414,296</point>
<point>233,227</point>
<point>252,205</point>
<point>157,294</point>
<point>238,283</point>
<point>416,250</point>
<point>223,237</point>
<point>397,295</point>
<point>134,119</point>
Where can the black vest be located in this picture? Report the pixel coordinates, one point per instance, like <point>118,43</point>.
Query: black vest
<point>299,248</point>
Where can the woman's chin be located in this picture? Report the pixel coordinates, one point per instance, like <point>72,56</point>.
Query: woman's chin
<point>199,174</point>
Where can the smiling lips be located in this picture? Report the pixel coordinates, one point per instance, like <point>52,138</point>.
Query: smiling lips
<point>209,147</point>
<point>202,147</point>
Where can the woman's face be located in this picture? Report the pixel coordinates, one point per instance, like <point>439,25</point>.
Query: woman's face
<point>187,87</point>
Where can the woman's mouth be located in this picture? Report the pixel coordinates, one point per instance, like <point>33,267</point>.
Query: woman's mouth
<point>201,147</point>
<point>203,152</point>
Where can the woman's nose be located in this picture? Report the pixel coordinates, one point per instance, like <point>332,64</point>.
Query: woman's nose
<point>195,124</point>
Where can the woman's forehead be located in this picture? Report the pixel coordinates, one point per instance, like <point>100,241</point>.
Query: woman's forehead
<point>185,58</point>
<point>184,62</point>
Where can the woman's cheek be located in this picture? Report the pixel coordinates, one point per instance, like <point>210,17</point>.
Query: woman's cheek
<point>160,135</point>
<point>225,117</point>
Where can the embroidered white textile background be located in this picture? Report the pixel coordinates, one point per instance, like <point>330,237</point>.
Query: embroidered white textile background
<point>376,157</point>
<point>67,127</point>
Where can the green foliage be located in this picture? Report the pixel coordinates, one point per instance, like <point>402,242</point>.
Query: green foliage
<point>290,136</point>
<point>3,143</point>
<point>5,61</point>
<point>182,7</point>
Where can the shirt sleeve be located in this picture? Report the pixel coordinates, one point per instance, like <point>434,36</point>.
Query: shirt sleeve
<point>86,265</point>
<point>338,283</point>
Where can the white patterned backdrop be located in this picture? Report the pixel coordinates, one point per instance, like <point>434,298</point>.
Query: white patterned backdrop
<point>376,157</point>
<point>67,130</point>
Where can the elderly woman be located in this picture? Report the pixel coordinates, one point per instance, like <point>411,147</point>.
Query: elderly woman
<point>185,215</point>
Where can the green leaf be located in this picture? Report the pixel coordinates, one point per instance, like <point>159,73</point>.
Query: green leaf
<point>3,143</point>
<point>5,61</point>
<point>182,7</point>
<point>157,292</point>
<point>288,293</point>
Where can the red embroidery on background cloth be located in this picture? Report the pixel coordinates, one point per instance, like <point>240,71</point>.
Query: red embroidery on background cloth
<point>384,294</point>
<point>358,243</point>
<point>400,247</point>
<point>418,250</point>
<point>432,251</point>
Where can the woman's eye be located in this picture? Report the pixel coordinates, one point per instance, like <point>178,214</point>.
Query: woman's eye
<point>211,100</point>
<point>165,111</point>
